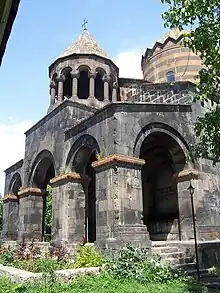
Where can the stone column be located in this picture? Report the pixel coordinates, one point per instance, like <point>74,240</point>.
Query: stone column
<point>75,76</point>
<point>185,209</point>
<point>60,80</point>
<point>30,214</point>
<point>10,218</point>
<point>52,92</point>
<point>114,92</point>
<point>92,77</point>
<point>68,209</point>
<point>119,202</point>
<point>106,88</point>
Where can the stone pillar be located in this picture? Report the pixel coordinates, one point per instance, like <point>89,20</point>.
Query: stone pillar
<point>60,80</point>
<point>185,209</point>
<point>119,202</point>
<point>92,77</point>
<point>10,218</point>
<point>106,88</point>
<point>114,92</point>
<point>52,92</point>
<point>68,209</point>
<point>30,214</point>
<point>75,76</point>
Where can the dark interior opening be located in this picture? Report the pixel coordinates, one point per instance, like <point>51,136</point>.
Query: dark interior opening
<point>67,87</point>
<point>163,157</point>
<point>91,201</point>
<point>83,85</point>
<point>99,87</point>
<point>110,88</point>
<point>43,173</point>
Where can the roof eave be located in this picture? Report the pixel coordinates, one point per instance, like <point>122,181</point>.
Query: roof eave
<point>8,17</point>
<point>81,55</point>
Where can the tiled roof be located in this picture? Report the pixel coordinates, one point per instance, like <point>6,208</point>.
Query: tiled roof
<point>174,33</point>
<point>84,44</point>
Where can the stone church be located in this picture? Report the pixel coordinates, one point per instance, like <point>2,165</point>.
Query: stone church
<point>115,152</point>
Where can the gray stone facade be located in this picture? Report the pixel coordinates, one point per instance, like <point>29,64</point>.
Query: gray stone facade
<point>115,152</point>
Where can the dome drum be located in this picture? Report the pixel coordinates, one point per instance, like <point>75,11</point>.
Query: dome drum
<point>84,74</point>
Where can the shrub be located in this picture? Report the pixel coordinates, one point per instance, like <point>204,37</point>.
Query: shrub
<point>136,263</point>
<point>88,256</point>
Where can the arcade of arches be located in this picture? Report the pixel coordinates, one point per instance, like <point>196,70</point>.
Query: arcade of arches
<point>81,209</point>
<point>83,84</point>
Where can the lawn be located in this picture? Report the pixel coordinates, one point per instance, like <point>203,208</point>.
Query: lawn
<point>99,284</point>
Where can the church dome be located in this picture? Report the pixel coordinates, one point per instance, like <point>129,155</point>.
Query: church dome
<point>84,44</point>
<point>169,60</point>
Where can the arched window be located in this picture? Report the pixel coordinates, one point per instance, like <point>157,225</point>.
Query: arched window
<point>170,76</point>
<point>67,85</point>
<point>83,84</point>
<point>99,86</point>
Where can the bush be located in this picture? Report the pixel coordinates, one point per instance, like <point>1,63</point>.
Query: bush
<point>88,256</point>
<point>136,263</point>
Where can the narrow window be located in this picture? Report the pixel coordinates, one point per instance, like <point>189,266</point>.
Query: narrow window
<point>170,76</point>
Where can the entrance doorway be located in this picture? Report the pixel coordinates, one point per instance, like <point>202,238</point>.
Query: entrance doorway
<point>45,171</point>
<point>82,164</point>
<point>163,157</point>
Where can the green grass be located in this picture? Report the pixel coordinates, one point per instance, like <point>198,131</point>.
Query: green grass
<point>99,284</point>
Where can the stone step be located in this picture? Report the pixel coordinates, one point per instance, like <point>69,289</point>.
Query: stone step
<point>167,255</point>
<point>174,260</point>
<point>162,249</point>
<point>160,243</point>
<point>186,266</point>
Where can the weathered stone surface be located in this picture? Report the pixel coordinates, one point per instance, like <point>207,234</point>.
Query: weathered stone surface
<point>21,276</point>
<point>115,152</point>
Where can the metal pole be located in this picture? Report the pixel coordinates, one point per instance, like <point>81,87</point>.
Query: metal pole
<point>191,190</point>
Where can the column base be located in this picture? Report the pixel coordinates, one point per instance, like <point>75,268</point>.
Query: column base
<point>135,235</point>
<point>74,98</point>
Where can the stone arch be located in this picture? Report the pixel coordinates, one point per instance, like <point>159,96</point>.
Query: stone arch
<point>83,141</point>
<point>165,153</point>
<point>83,82</point>
<point>99,83</point>
<point>81,156</point>
<point>42,171</point>
<point>39,168</point>
<point>67,85</point>
<point>159,127</point>
<point>15,184</point>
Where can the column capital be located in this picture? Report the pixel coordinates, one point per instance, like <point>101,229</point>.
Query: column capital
<point>29,191</point>
<point>106,78</point>
<point>10,197</point>
<point>115,85</point>
<point>61,78</point>
<point>52,84</point>
<point>119,160</point>
<point>92,75</point>
<point>64,178</point>
<point>187,175</point>
<point>75,74</point>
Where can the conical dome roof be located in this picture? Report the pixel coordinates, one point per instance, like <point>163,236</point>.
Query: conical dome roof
<point>84,44</point>
<point>174,33</point>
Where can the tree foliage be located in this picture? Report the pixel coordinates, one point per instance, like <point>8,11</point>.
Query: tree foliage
<point>203,18</point>
<point>49,208</point>
<point>1,212</point>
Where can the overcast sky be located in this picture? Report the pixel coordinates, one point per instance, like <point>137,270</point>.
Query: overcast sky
<point>41,32</point>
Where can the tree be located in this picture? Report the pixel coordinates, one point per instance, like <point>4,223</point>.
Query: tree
<point>48,216</point>
<point>203,16</point>
<point>1,212</point>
